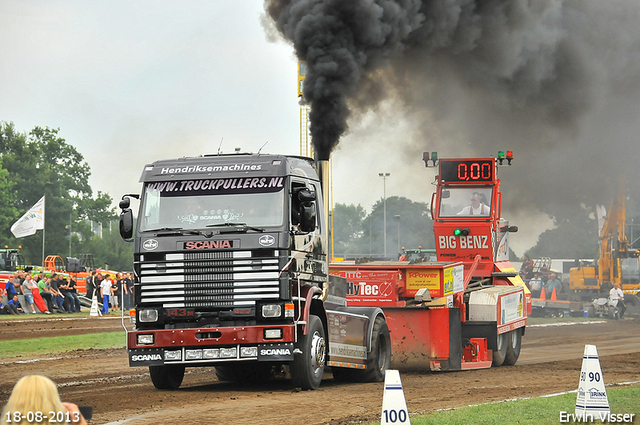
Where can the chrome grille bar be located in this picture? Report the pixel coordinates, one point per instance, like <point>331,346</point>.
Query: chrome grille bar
<point>208,279</point>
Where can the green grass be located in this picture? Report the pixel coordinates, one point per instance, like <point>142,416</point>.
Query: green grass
<point>539,411</point>
<point>49,345</point>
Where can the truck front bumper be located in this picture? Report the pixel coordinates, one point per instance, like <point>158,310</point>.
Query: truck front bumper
<point>203,346</point>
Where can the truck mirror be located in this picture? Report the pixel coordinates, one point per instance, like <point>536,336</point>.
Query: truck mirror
<point>124,204</point>
<point>126,224</point>
<point>308,217</point>
<point>445,194</point>
<point>305,195</point>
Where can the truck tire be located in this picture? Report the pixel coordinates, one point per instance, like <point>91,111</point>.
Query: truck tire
<point>307,367</point>
<point>379,358</point>
<point>500,353</point>
<point>633,303</point>
<point>243,372</point>
<point>591,312</point>
<point>167,377</point>
<point>514,343</point>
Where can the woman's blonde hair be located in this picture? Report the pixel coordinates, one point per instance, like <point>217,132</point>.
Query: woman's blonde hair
<point>33,393</point>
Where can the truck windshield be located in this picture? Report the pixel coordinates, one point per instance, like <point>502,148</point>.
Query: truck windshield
<point>465,202</point>
<point>196,204</point>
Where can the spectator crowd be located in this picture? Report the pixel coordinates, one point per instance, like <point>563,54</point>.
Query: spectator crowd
<point>32,293</point>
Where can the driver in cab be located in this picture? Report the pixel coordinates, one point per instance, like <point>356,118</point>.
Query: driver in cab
<point>477,207</point>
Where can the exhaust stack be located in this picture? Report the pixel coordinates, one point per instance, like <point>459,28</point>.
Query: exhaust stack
<point>323,170</point>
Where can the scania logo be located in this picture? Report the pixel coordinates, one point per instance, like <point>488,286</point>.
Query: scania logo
<point>266,240</point>
<point>145,357</point>
<point>275,352</point>
<point>150,244</point>
<point>208,245</point>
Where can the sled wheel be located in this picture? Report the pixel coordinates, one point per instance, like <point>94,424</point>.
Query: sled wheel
<point>514,343</point>
<point>499,354</point>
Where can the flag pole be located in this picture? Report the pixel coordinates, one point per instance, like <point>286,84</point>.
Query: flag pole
<point>43,228</point>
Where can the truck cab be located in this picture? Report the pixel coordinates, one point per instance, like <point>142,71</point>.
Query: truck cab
<point>230,263</point>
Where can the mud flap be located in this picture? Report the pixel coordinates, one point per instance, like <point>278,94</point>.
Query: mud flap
<point>425,338</point>
<point>455,342</point>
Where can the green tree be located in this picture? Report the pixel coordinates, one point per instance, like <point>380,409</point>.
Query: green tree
<point>347,225</point>
<point>8,212</point>
<point>110,249</point>
<point>408,224</point>
<point>42,163</point>
<point>573,237</point>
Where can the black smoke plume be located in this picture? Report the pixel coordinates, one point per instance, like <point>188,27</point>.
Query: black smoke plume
<point>557,81</point>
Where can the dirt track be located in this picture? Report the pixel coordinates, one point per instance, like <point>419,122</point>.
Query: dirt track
<point>550,362</point>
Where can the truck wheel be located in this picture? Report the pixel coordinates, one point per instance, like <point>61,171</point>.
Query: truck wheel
<point>514,343</point>
<point>499,354</point>
<point>167,377</point>
<point>591,312</point>
<point>379,359</point>
<point>307,368</point>
<point>244,372</point>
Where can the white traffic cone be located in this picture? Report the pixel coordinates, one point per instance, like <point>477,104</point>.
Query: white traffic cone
<point>95,311</point>
<point>592,401</point>
<point>394,405</point>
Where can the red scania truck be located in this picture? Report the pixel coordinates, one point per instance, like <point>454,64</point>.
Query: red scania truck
<point>231,271</point>
<point>469,308</point>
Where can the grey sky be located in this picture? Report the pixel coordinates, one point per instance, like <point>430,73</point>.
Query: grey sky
<point>128,83</point>
<point>131,82</point>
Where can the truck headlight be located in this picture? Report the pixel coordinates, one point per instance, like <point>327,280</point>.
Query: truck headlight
<point>173,355</point>
<point>273,333</point>
<point>248,351</point>
<point>211,353</point>
<point>193,354</point>
<point>145,339</point>
<point>229,353</point>
<point>271,310</point>
<point>148,315</point>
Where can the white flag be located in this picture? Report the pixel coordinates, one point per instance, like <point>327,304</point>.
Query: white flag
<point>31,221</point>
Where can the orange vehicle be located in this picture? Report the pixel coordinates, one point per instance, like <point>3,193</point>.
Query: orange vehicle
<point>79,268</point>
<point>468,309</point>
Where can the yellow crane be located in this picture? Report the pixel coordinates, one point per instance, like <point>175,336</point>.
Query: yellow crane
<point>616,262</point>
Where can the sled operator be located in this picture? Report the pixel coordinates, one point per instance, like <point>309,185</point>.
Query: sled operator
<point>478,206</point>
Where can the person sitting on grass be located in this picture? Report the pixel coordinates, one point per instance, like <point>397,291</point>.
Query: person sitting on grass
<point>72,295</point>
<point>16,305</point>
<point>27,290</point>
<point>8,309</point>
<point>35,394</point>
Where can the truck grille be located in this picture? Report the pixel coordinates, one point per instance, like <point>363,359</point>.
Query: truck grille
<point>211,280</point>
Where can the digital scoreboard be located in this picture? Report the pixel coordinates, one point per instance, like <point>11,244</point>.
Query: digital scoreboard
<point>467,171</point>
